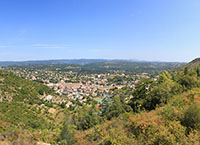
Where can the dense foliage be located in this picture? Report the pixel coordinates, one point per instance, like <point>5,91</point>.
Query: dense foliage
<point>165,111</point>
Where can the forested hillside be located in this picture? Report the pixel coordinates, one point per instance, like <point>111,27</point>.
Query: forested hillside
<point>191,65</point>
<point>24,117</point>
<point>13,88</point>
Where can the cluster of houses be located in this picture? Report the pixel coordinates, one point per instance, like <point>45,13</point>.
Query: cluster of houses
<point>79,90</point>
<point>75,86</point>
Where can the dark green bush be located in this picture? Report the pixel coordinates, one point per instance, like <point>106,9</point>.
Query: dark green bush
<point>191,118</point>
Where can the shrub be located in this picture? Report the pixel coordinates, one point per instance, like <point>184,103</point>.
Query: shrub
<point>191,117</point>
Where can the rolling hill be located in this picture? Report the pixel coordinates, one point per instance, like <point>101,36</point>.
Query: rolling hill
<point>105,67</point>
<point>64,61</point>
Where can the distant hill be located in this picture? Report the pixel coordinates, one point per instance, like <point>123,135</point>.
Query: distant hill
<point>63,61</point>
<point>133,67</point>
<point>69,61</point>
<point>98,65</point>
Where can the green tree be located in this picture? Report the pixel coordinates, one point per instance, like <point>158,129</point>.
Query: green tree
<point>198,71</point>
<point>186,70</point>
<point>140,95</point>
<point>67,133</point>
<point>115,109</point>
<point>85,118</point>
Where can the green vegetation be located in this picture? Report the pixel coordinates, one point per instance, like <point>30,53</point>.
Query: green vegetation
<point>165,111</point>
<point>14,88</point>
<point>17,115</point>
<point>157,112</point>
<point>191,118</point>
<point>21,116</point>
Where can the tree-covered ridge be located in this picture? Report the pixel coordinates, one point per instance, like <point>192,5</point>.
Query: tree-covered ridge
<point>13,88</point>
<point>131,67</point>
<point>194,63</point>
<point>191,65</point>
<point>23,115</point>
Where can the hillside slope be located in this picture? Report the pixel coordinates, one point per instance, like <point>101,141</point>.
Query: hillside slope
<point>191,65</point>
<point>194,63</point>
<point>24,117</point>
<point>175,123</point>
<point>13,88</point>
<point>164,112</point>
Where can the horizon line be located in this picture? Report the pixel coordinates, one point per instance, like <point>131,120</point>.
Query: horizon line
<point>111,59</point>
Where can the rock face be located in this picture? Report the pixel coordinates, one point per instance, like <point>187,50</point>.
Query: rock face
<point>52,110</point>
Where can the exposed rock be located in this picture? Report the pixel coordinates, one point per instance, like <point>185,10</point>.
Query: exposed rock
<point>52,110</point>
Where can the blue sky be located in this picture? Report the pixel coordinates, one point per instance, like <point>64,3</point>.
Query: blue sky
<point>165,30</point>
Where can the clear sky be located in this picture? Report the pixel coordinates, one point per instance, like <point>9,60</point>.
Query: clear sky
<point>165,30</point>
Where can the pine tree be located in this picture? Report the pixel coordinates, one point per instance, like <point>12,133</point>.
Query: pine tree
<point>198,71</point>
